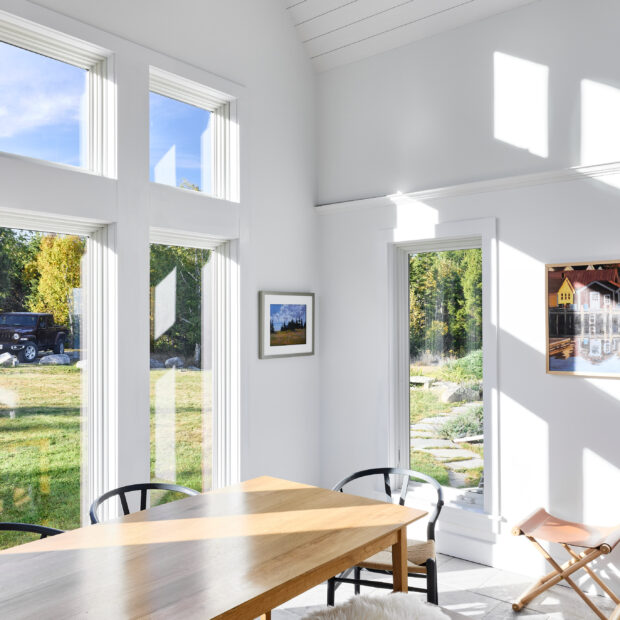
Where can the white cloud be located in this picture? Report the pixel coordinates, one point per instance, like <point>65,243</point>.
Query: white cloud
<point>36,91</point>
<point>289,312</point>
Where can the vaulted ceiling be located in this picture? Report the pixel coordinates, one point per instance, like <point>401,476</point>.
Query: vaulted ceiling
<point>336,32</point>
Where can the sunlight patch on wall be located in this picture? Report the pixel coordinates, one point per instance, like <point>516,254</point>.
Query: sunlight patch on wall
<point>522,272</point>
<point>521,103</point>
<point>600,127</point>
<point>600,477</point>
<point>523,462</point>
<point>414,219</point>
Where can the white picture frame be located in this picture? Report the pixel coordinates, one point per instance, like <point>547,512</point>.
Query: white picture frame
<point>286,324</point>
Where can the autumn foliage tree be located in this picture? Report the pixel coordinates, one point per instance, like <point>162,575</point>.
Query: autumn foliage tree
<point>58,263</point>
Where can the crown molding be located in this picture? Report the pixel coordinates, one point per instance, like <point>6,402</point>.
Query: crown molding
<point>576,173</point>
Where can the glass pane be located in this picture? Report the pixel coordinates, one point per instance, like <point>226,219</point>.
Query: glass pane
<point>43,105</point>
<point>445,345</point>
<point>181,369</point>
<point>180,144</point>
<point>41,408</point>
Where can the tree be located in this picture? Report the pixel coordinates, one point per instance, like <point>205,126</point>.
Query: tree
<point>58,263</point>
<point>18,278</point>
<point>185,335</point>
<point>445,302</point>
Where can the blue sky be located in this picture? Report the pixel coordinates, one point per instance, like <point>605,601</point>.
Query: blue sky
<point>41,115</point>
<point>173,123</point>
<point>284,313</point>
<point>40,106</point>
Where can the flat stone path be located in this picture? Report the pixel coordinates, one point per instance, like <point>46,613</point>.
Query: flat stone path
<point>425,437</point>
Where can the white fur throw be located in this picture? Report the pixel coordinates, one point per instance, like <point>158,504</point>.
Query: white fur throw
<point>398,606</point>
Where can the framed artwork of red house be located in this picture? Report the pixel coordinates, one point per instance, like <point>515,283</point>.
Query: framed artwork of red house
<point>583,319</point>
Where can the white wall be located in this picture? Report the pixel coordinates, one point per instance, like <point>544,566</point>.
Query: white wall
<point>249,44</point>
<point>422,116</point>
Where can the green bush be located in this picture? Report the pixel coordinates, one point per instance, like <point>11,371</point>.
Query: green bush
<point>465,369</point>
<point>465,424</point>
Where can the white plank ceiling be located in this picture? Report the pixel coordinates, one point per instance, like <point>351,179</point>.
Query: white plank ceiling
<point>336,32</point>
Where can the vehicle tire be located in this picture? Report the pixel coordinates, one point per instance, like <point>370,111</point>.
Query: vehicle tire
<point>29,353</point>
<point>59,347</point>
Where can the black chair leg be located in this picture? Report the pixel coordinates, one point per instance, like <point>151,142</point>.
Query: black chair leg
<point>357,572</point>
<point>432,595</point>
<point>331,591</point>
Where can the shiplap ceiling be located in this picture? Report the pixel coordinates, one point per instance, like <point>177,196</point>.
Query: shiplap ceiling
<point>336,32</point>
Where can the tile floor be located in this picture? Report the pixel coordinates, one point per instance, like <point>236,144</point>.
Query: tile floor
<point>471,590</point>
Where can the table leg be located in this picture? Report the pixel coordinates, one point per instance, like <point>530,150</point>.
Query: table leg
<point>266,616</point>
<point>399,562</point>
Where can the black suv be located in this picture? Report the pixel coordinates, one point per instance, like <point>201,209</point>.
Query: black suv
<point>26,333</point>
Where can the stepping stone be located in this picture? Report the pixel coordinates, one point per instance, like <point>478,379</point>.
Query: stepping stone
<point>423,427</point>
<point>470,464</point>
<point>431,443</point>
<point>445,454</point>
<point>457,479</point>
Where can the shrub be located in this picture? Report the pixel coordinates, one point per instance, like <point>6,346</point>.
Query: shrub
<point>465,424</point>
<point>468,368</point>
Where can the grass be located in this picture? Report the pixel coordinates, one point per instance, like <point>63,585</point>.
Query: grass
<point>426,464</point>
<point>426,404</point>
<point>40,443</point>
<point>294,336</point>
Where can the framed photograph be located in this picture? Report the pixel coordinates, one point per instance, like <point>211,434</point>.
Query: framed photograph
<point>286,324</point>
<point>583,318</point>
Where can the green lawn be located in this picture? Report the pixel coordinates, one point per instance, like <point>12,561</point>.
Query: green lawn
<point>40,443</point>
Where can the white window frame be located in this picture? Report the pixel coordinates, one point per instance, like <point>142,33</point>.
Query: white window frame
<point>476,233</point>
<point>225,140</point>
<point>100,150</point>
<point>225,311</point>
<point>99,466</point>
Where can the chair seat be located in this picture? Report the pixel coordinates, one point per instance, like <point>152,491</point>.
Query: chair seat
<point>543,526</point>
<point>418,551</point>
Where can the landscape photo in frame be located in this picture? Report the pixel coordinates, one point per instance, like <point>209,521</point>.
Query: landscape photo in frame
<point>583,318</point>
<point>286,324</point>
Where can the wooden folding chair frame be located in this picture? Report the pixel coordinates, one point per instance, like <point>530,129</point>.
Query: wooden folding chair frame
<point>577,561</point>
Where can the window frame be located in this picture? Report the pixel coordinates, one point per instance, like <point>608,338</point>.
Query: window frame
<point>99,64</point>
<point>225,310</point>
<point>466,234</point>
<point>223,109</point>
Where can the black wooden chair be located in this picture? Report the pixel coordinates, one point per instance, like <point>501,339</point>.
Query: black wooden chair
<point>421,562</point>
<point>29,527</point>
<point>143,487</point>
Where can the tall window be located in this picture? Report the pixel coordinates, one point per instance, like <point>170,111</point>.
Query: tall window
<point>42,373</point>
<point>181,367</point>
<point>446,389</point>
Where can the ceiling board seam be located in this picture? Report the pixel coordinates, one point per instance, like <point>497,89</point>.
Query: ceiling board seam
<point>292,6</point>
<point>378,34</point>
<point>361,19</point>
<point>305,21</point>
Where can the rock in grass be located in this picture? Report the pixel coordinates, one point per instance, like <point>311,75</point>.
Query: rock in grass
<point>174,362</point>
<point>60,359</point>
<point>156,363</point>
<point>8,361</point>
<point>459,394</point>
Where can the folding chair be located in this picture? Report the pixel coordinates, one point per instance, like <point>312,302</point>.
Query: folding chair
<point>595,542</point>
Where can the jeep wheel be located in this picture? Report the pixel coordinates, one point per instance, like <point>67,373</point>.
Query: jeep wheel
<point>29,353</point>
<point>59,348</point>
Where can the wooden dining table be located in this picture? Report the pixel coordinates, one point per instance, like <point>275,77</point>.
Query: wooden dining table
<point>234,553</point>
